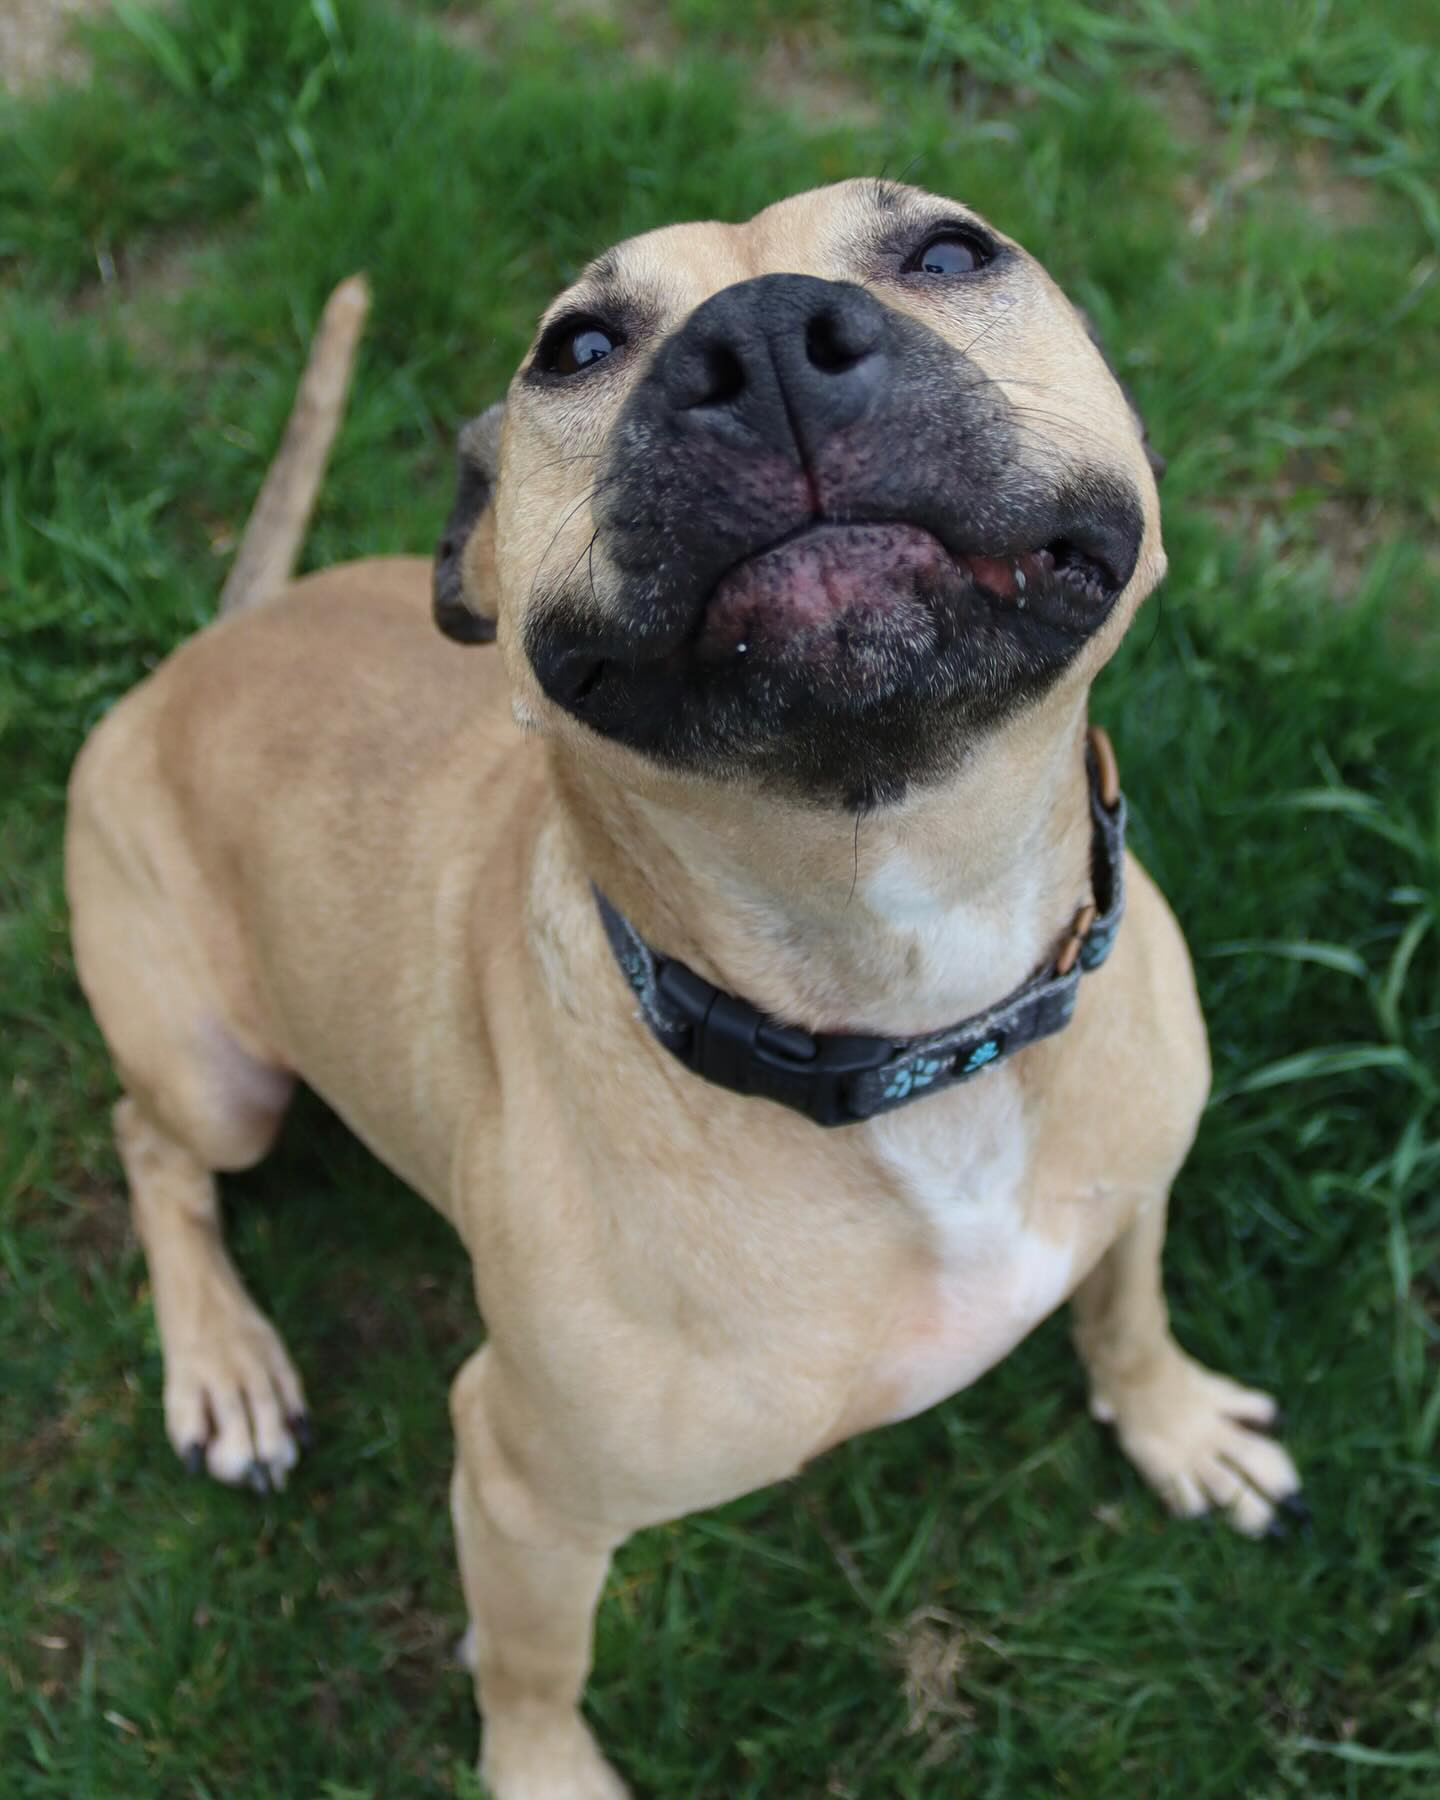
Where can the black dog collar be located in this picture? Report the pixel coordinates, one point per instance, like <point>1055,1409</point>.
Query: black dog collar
<point>836,1078</point>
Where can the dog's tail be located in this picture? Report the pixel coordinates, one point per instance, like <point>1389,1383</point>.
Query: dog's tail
<point>275,529</point>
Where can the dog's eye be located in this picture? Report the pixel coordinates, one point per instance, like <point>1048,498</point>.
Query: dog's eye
<point>951,253</point>
<point>571,345</point>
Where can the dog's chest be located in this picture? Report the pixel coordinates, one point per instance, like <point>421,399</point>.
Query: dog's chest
<point>990,1267</point>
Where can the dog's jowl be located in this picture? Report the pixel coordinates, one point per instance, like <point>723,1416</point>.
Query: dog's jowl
<point>741,951</point>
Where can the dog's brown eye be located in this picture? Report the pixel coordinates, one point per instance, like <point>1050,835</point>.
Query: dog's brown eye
<point>949,254</point>
<point>573,345</point>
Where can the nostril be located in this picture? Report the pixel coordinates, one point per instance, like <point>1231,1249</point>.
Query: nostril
<point>834,343</point>
<point>724,377</point>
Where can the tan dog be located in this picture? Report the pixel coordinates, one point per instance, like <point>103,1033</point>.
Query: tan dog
<point>804,539</point>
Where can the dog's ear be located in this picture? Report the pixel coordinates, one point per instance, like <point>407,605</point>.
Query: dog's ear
<point>468,620</point>
<point>1152,455</point>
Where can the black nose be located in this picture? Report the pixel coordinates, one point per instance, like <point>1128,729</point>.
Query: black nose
<point>784,360</point>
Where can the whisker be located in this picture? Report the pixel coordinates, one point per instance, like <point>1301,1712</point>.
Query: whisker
<point>561,462</point>
<point>585,499</point>
<point>590,564</point>
<point>982,332</point>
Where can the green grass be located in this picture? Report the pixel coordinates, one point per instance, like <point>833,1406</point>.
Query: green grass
<point>1244,199</point>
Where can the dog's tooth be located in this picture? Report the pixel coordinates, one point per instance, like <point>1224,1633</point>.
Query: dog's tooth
<point>1020,579</point>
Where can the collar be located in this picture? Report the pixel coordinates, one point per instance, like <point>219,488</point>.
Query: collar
<point>839,1078</point>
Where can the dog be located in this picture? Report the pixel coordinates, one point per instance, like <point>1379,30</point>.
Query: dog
<point>722,950</point>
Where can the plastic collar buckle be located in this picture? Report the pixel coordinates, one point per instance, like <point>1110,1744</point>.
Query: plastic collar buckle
<point>733,1044</point>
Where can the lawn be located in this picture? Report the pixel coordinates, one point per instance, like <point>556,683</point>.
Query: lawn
<point>984,1601</point>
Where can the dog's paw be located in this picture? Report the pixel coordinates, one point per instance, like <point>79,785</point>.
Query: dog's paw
<point>1201,1441</point>
<point>530,1758</point>
<point>233,1402</point>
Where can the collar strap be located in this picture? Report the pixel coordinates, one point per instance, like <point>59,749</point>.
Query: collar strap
<point>839,1078</point>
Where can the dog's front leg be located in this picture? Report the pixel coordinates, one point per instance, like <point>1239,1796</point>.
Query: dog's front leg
<point>532,1575</point>
<point>1198,1438</point>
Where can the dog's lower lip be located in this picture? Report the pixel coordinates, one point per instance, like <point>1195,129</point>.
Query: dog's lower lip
<point>805,595</point>
<point>802,595</point>
<point>1004,575</point>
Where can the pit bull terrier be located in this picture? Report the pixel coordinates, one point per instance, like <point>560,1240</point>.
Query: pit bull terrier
<point>733,952</point>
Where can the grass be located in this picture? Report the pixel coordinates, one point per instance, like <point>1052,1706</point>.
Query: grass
<point>984,1600</point>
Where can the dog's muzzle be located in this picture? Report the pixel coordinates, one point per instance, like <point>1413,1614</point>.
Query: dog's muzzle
<point>825,547</point>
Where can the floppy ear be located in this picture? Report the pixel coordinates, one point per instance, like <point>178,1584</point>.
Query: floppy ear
<point>1152,455</point>
<point>468,619</point>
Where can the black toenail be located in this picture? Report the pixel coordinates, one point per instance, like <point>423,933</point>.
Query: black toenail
<point>259,1477</point>
<point>195,1459</point>
<point>1278,1530</point>
<point>300,1430</point>
<point>1294,1504</point>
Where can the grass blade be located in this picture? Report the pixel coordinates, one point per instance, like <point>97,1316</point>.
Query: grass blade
<point>1328,956</point>
<point>1335,1059</point>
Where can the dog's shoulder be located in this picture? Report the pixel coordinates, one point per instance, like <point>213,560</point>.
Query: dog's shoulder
<point>1122,1089</point>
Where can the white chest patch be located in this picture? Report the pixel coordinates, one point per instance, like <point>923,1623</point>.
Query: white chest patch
<point>967,957</point>
<point>962,1161</point>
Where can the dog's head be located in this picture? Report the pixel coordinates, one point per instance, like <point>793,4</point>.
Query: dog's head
<point>811,501</point>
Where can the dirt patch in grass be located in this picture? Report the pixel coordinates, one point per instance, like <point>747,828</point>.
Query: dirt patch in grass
<point>474,30</point>
<point>932,1649</point>
<point>1309,513</point>
<point>1305,176</point>
<point>48,1446</point>
<point>152,268</point>
<point>801,71</point>
<point>362,1322</point>
<point>97,1222</point>
<point>1345,530</point>
<point>37,42</point>
<point>806,77</point>
<point>1308,507</point>
<point>90,1215</point>
<point>1232,165</point>
<point>139,288</point>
